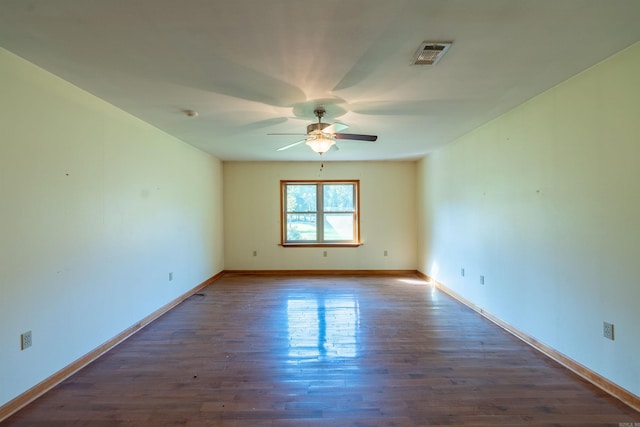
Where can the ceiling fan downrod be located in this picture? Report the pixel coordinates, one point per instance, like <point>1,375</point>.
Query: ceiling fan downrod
<point>317,128</point>
<point>319,112</point>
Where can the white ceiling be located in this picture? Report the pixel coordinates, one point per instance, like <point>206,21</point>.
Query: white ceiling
<point>252,67</point>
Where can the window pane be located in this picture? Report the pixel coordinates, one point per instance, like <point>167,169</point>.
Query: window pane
<point>319,212</point>
<point>301,197</point>
<point>338,227</point>
<point>338,197</point>
<point>301,227</point>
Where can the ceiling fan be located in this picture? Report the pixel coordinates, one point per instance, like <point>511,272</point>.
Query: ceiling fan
<point>320,137</point>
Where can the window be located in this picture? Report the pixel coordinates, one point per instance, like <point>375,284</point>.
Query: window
<point>321,213</point>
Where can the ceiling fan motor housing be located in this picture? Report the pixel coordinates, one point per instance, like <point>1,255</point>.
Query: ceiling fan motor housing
<point>316,127</point>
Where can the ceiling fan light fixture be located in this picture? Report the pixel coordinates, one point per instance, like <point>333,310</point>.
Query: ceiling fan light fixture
<point>320,144</point>
<point>429,53</point>
<point>320,137</point>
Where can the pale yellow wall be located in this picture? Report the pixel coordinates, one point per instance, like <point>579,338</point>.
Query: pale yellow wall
<point>545,202</point>
<point>96,208</point>
<point>252,216</point>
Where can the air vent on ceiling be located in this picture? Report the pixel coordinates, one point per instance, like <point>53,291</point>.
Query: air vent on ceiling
<point>429,53</point>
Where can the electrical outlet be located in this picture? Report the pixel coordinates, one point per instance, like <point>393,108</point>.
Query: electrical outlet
<point>26,340</point>
<point>386,253</point>
<point>324,254</point>
<point>255,253</point>
<point>482,280</point>
<point>607,330</point>
<point>462,272</point>
<point>170,276</point>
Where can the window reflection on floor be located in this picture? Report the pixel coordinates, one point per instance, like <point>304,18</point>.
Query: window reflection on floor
<point>323,327</point>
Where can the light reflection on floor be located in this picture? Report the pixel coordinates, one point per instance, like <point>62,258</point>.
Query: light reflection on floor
<point>418,282</point>
<point>426,284</point>
<point>322,328</point>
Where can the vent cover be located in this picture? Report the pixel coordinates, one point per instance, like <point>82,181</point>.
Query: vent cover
<point>429,53</point>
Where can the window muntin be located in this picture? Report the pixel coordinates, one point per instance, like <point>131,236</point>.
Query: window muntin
<point>320,212</point>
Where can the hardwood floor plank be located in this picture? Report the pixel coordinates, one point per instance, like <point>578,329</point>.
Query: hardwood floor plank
<point>287,350</point>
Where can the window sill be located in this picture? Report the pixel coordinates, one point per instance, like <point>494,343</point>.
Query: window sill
<point>320,245</point>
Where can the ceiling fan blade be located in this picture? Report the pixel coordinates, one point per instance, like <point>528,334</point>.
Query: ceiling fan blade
<point>355,136</point>
<point>291,145</point>
<point>339,127</point>
<point>299,134</point>
<point>335,127</point>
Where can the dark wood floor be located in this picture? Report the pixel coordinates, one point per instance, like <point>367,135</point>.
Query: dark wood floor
<point>323,351</point>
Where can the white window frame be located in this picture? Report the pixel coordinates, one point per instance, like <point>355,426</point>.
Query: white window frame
<point>319,212</point>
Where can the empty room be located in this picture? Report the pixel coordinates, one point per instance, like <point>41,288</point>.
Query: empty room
<point>337,213</point>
